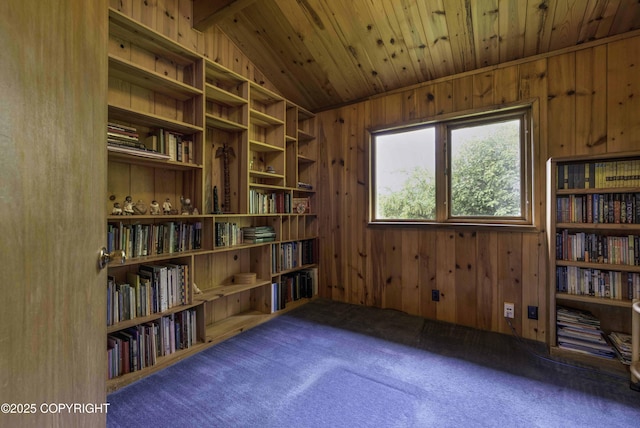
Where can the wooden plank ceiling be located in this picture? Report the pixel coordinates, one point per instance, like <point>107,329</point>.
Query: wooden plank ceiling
<point>325,53</point>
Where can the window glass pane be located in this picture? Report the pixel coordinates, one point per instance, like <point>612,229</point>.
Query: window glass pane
<point>405,187</point>
<point>486,170</point>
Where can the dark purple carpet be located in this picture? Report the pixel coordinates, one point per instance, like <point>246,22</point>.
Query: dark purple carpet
<point>330,364</point>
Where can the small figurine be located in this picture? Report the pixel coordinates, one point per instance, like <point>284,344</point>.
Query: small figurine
<point>128,206</point>
<point>139,208</point>
<point>117,210</point>
<point>166,207</point>
<point>187,209</point>
<point>154,208</point>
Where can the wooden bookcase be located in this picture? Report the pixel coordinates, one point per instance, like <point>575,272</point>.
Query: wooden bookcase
<point>203,127</point>
<point>594,244</point>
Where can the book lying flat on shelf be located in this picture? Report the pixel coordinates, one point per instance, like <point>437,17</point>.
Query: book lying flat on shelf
<point>136,151</point>
<point>580,331</point>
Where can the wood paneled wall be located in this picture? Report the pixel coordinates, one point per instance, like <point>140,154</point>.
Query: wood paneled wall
<point>587,102</point>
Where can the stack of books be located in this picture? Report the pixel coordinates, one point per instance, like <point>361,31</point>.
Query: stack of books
<point>125,139</point>
<point>622,345</point>
<point>256,234</point>
<point>580,331</point>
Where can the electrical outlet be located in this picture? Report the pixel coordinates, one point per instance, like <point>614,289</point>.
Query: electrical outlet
<point>508,310</point>
<point>435,295</point>
<point>532,312</point>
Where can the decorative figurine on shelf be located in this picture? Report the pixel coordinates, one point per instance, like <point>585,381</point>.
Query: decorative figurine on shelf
<point>140,208</point>
<point>154,208</point>
<point>216,205</point>
<point>166,207</point>
<point>226,153</point>
<point>117,210</point>
<point>187,208</point>
<point>128,206</point>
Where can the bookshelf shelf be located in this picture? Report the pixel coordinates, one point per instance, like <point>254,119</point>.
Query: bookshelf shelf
<point>224,124</point>
<point>224,97</point>
<point>154,163</point>
<point>129,72</point>
<point>150,120</point>
<point>229,289</point>
<point>262,119</point>
<point>166,104</point>
<point>161,363</point>
<point>122,325</point>
<point>593,215</point>
<point>123,28</point>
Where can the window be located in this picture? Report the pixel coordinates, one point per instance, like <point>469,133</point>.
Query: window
<point>474,170</point>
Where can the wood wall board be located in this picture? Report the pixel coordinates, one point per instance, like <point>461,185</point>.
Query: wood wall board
<point>488,313</point>
<point>591,100</point>
<point>566,23</point>
<point>446,275</point>
<point>513,17</point>
<point>510,252</point>
<point>434,25</point>
<point>416,60</point>
<point>627,17</point>
<point>425,98</point>
<point>562,104</point>
<point>410,271</point>
<point>428,256</point>
<point>534,285</point>
<point>465,278</point>
<point>623,96</point>
<point>187,35</point>
<point>444,97</point>
<point>539,23</point>
<point>483,89</point>
<point>593,14</point>
<point>459,24</point>
<point>506,86</point>
<point>54,86</point>
<point>486,31</point>
<point>391,271</point>
<point>462,93</point>
<point>358,164</point>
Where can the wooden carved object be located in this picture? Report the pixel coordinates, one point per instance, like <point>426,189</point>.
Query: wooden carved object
<point>226,153</point>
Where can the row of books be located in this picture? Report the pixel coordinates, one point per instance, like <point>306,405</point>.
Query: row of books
<point>153,289</point>
<point>139,240</point>
<point>139,347</point>
<point>269,203</point>
<point>290,255</point>
<point>176,146</point>
<point>292,287</point>
<point>228,234</point>
<point>597,248</point>
<point>580,331</point>
<point>599,208</point>
<point>599,174</point>
<point>597,283</point>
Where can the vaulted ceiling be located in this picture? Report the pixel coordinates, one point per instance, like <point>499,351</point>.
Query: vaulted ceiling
<point>323,53</point>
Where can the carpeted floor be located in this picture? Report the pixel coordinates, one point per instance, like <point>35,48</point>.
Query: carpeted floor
<point>329,364</point>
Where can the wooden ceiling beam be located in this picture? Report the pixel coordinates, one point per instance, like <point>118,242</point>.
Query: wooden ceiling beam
<point>208,12</point>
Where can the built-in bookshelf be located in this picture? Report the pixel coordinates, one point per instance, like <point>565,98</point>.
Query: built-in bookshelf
<point>210,176</point>
<point>594,251</point>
